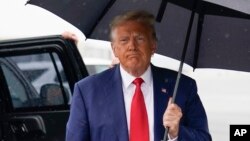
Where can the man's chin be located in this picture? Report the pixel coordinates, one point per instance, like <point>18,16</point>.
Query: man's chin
<point>134,64</point>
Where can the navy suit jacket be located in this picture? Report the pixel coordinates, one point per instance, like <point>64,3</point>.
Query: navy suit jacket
<point>98,111</point>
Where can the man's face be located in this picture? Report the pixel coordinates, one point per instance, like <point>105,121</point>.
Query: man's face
<point>133,44</point>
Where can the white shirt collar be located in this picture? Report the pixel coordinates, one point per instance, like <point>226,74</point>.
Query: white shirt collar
<point>127,78</point>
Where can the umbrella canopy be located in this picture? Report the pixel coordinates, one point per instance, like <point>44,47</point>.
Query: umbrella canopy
<point>215,36</point>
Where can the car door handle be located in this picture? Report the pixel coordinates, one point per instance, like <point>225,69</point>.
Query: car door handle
<point>28,126</point>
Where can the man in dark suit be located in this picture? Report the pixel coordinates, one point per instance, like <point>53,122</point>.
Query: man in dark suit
<point>131,101</point>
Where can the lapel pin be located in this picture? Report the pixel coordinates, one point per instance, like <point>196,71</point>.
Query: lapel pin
<point>163,90</point>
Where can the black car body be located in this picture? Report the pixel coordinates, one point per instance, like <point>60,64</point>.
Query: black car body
<point>31,111</point>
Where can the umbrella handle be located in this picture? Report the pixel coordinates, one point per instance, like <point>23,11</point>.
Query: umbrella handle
<point>165,138</point>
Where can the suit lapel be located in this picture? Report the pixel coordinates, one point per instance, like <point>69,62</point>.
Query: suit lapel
<point>116,107</point>
<point>162,92</point>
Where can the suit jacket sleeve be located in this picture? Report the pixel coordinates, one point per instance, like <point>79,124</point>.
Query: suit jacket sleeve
<point>194,126</point>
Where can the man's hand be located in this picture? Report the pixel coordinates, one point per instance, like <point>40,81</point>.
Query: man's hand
<point>171,118</point>
<point>70,36</point>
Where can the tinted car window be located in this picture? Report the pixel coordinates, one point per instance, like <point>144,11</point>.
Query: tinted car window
<point>44,73</point>
<point>16,87</point>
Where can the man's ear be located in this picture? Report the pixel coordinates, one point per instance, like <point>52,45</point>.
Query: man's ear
<point>154,46</point>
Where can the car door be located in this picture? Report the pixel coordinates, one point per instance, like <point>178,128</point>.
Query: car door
<point>37,79</point>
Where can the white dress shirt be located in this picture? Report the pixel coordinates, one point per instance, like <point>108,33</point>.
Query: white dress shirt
<point>147,90</point>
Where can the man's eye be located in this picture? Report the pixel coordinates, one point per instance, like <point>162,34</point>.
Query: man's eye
<point>123,40</point>
<point>140,38</point>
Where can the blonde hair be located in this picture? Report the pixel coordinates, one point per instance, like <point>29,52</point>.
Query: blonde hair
<point>140,16</point>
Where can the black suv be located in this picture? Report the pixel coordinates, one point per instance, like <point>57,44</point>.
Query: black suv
<point>35,108</point>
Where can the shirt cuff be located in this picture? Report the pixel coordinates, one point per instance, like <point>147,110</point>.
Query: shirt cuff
<point>174,139</point>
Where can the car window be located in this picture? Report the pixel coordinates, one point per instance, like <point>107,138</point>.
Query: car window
<point>43,73</point>
<point>16,87</point>
<point>32,75</point>
<point>62,74</point>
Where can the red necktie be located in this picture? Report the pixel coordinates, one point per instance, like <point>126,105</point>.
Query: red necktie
<point>139,130</point>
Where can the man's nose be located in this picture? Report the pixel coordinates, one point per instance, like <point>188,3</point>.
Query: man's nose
<point>132,44</point>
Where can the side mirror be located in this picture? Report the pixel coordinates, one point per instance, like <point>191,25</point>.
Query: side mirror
<point>52,94</point>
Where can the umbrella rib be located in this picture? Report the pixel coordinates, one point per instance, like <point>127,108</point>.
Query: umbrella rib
<point>198,39</point>
<point>161,10</point>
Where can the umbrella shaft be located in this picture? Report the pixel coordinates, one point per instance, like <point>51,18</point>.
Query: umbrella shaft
<point>165,138</point>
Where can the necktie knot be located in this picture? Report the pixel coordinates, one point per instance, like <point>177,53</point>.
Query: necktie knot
<point>138,81</point>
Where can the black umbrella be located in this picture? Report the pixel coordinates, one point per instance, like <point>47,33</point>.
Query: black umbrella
<point>199,33</point>
<point>219,36</point>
